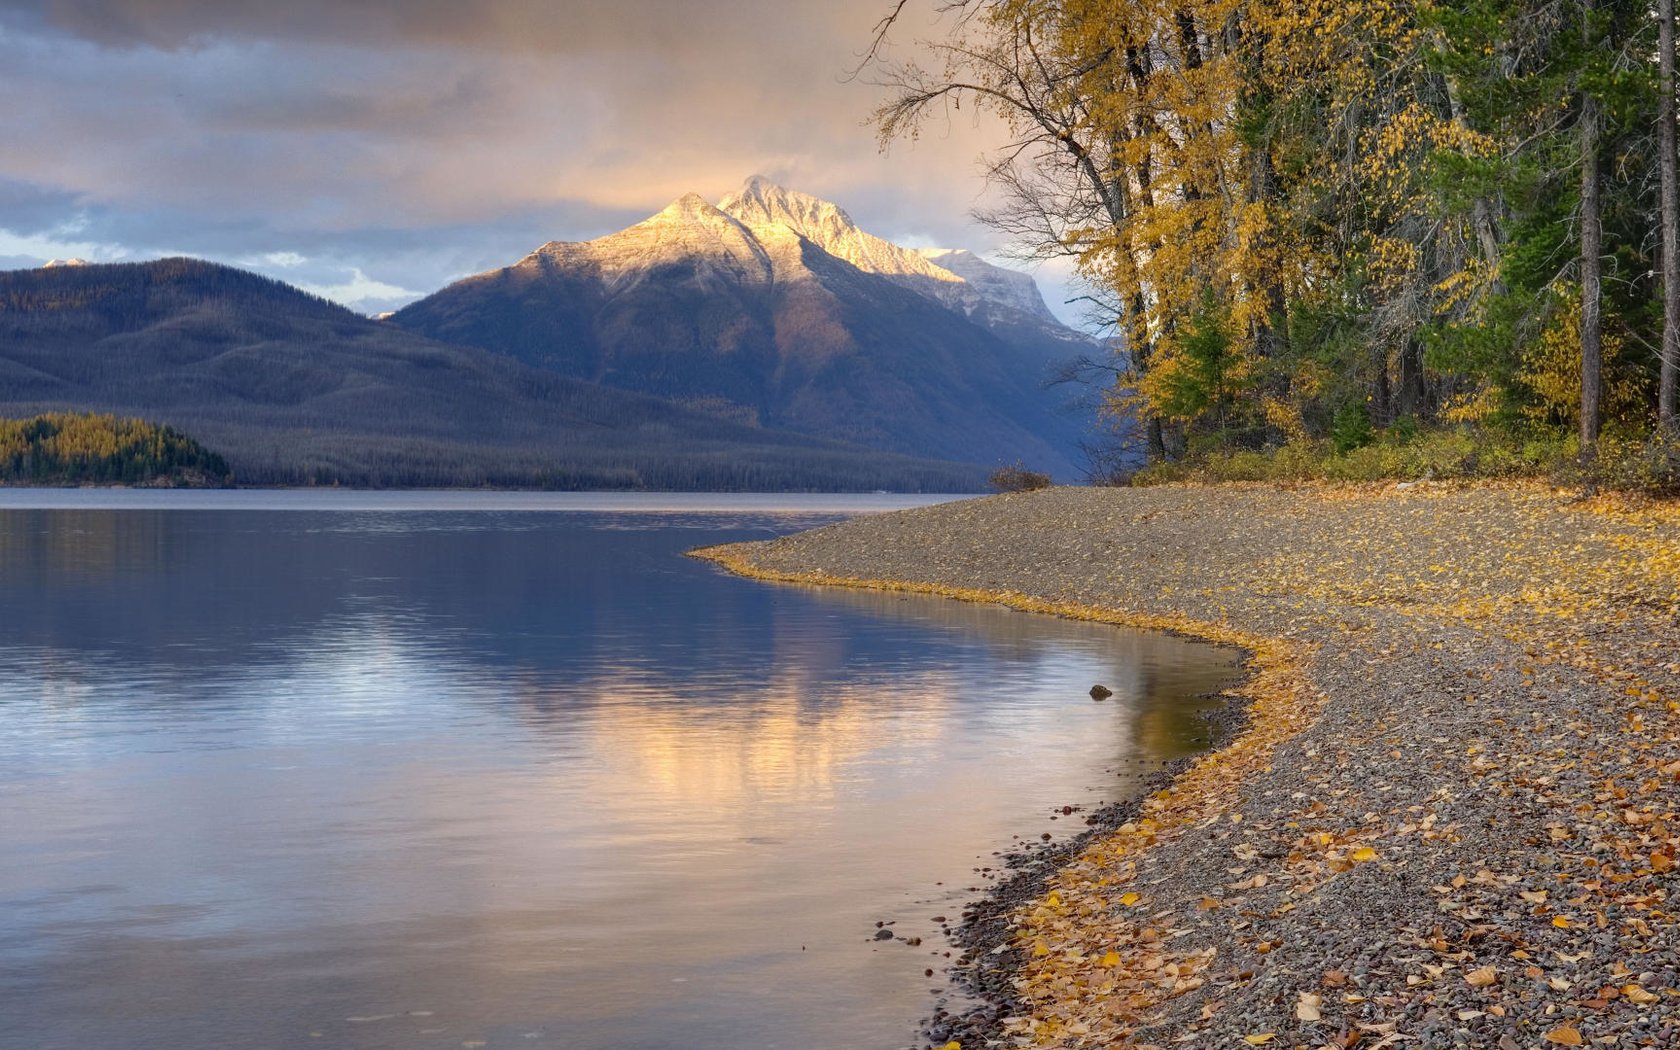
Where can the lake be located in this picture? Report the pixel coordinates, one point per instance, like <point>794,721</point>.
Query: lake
<point>419,770</point>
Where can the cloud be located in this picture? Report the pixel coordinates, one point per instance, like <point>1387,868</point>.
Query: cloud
<point>363,292</point>
<point>416,140</point>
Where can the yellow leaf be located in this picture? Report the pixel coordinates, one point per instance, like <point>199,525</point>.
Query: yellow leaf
<point>1565,1036</point>
<point>952,1045</point>
<point>1054,900</point>
<point>1112,958</point>
<point>1259,1039</point>
<point>1561,922</point>
<point>1362,855</point>
<point>1129,899</point>
<point>1636,994</point>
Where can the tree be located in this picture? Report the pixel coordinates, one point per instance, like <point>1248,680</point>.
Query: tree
<point>1405,206</point>
<point>1592,327</point>
<point>1670,369</point>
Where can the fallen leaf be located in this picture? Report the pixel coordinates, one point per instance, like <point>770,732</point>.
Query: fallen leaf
<point>1565,1036</point>
<point>1481,978</point>
<point>1363,855</point>
<point>1309,1007</point>
<point>1260,1038</point>
<point>1636,994</point>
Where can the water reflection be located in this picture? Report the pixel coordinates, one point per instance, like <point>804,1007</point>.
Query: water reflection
<point>407,780</point>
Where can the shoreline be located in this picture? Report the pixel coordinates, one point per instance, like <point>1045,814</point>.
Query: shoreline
<point>990,964</point>
<point>1370,859</point>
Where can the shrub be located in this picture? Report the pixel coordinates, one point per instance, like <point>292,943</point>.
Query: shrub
<point>1018,478</point>
<point>1351,429</point>
<point>1651,466</point>
<point>1407,453</point>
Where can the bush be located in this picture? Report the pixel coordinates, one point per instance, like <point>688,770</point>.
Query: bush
<point>1651,467</point>
<point>1406,453</point>
<point>1351,429</point>
<point>1018,478</point>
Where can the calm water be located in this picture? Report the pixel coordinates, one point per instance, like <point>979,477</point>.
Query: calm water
<point>420,771</point>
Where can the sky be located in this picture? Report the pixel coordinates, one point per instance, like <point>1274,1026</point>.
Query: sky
<point>374,150</point>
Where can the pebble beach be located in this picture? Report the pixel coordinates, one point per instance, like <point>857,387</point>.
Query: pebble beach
<point>1449,818</point>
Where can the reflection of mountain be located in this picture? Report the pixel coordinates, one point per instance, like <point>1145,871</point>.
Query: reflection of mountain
<point>696,752</point>
<point>1159,678</point>
<point>274,771</point>
<point>545,604</point>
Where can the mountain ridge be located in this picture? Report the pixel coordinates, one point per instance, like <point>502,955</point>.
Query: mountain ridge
<point>294,389</point>
<point>743,302</point>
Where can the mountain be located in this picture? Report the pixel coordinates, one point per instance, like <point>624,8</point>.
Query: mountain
<point>777,308</point>
<point>1001,300</point>
<point>762,203</point>
<point>294,389</point>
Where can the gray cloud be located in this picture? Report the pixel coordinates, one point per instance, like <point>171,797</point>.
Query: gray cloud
<point>416,140</point>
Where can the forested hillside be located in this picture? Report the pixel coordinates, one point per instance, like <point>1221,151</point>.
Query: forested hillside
<point>295,390</point>
<point>66,449</point>
<point>1348,222</point>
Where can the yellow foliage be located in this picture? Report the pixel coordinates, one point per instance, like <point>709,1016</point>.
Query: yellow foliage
<point>1551,369</point>
<point>1473,406</point>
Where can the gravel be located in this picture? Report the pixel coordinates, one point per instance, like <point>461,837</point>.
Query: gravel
<point>1451,820</point>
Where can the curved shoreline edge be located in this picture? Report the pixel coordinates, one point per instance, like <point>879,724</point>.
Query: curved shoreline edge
<point>1453,818</point>
<point>1277,701</point>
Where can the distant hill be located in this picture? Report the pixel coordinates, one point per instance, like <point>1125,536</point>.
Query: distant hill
<point>293,389</point>
<point>776,307</point>
<point>64,448</point>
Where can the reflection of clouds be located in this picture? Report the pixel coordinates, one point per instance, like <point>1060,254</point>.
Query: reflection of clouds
<point>779,744</point>
<point>512,798</point>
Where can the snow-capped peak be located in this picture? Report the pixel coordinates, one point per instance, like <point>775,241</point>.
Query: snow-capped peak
<point>755,236</point>
<point>763,203</point>
<point>55,263</point>
<point>992,284</point>
<point>689,231</point>
<point>687,207</point>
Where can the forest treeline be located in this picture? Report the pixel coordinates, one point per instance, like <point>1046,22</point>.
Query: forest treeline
<point>86,449</point>
<point>1345,222</point>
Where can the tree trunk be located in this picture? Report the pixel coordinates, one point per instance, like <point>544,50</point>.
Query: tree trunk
<point>1382,391</point>
<point>1670,224</point>
<point>1592,325</point>
<point>1412,394</point>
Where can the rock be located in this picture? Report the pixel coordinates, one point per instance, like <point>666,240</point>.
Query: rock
<point>883,935</point>
<point>1101,692</point>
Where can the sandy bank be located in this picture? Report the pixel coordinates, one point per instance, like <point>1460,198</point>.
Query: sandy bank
<point>1452,820</point>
